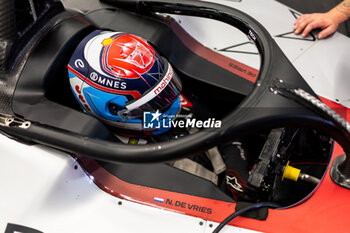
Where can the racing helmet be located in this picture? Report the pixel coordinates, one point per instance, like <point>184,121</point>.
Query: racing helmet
<point>118,77</point>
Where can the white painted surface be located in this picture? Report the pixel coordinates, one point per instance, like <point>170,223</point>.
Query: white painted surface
<point>210,227</point>
<point>324,64</point>
<point>39,188</point>
<point>232,43</point>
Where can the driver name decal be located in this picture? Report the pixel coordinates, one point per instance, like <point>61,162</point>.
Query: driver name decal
<point>188,206</point>
<point>252,74</point>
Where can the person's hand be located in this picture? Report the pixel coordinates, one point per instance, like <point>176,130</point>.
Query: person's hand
<point>328,22</point>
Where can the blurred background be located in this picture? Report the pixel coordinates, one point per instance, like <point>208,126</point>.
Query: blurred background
<point>303,6</point>
<point>319,6</point>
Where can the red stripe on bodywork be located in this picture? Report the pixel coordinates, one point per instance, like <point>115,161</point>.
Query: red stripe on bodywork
<point>326,211</point>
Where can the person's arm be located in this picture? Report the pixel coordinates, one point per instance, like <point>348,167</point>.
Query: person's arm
<point>328,21</point>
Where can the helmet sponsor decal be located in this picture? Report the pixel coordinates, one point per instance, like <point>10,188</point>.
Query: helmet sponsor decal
<point>106,81</point>
<point>103,85</point>
<point>154,91</point>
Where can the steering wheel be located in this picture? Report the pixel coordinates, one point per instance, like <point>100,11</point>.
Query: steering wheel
<point>278,85</point>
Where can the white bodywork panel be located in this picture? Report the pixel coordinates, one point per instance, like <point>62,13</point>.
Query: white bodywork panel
<point>324,64</point>
<point>41,189</point>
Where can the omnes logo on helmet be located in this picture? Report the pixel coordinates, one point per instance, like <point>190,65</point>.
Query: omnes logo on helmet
<point>106,82</point>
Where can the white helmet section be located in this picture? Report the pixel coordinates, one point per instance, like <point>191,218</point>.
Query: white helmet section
<point>91,48</point>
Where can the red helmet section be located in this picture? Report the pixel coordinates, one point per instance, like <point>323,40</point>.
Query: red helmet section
<point>127,56</point>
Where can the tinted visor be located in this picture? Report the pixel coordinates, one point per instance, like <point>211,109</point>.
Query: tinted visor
<point>160,97</point>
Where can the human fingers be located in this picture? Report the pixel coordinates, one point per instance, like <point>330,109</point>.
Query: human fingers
<point>301,18</point>
<point>311,26</point>
<point>327,31</point>
<point>300,27</point>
